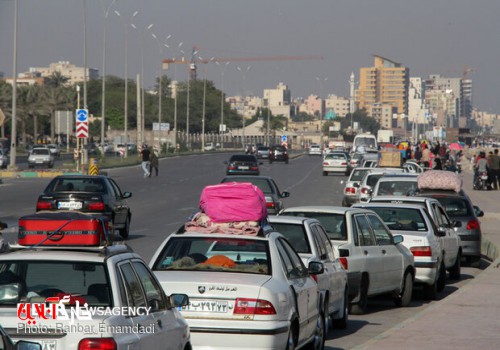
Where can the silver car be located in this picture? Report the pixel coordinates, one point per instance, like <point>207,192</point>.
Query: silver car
<point>3,159</point>
<point>41,156</point>
<point>351,189</point>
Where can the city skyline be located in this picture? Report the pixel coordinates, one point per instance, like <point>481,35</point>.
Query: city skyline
<point>427,37</point>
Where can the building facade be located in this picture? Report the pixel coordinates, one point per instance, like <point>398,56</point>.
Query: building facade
<point>278,100</point>
<point>73,73</point>
<point>338,104</point>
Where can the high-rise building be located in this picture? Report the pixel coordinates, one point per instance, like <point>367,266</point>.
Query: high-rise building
<point>278,100</point>
<point>338,104</point>
<point>444,96</point>
<point>384,83</point>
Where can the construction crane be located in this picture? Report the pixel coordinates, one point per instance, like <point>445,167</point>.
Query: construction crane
<point>193,62</point>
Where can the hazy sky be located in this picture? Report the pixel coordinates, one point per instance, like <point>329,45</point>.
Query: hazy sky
<point>428,36</point>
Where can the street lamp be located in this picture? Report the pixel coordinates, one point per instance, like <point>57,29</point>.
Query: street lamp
<point>103,98</point>
<point>221,127</point>
<point>125,108</point>
<point>13,131</point>
<point>204,104</point>
<point>244,99</point>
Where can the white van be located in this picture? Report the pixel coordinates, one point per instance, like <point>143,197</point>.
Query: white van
<point>367,141</point>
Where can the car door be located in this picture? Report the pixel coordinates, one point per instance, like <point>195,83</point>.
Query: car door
<point>325,281</point>
<point>392,258</point>
<point>120,205</point>
<point>168,331</point>
<point>449,240</point>
<point>370,254</point>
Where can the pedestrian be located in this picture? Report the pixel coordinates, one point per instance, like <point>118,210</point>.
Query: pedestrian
<point>426,156</point>
<point>145,154</point>
<point>153,158</point>
<point>495,169</point>
<point>437,164</point>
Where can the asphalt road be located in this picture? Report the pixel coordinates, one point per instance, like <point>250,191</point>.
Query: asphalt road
<point>161,204</point>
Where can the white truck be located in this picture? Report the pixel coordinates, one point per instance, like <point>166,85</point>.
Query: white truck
<point>385,136</point>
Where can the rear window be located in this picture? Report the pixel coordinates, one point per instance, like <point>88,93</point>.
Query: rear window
<point>357,175</point>
<point>76,184</point>
<point>336,156</point>
<point>372,180</point>
<point>396,188</point>
<point>295,234</point>
<point>334,224</point>
<point>37,280</point>
<point>243,158</point>
<point>215,254</point>
<point>456,206</point>
<point>40,151</point>
<point>405,219</point>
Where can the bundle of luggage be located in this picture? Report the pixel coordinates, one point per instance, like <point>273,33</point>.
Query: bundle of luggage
<point>232,207</point>
<point>439,180</point>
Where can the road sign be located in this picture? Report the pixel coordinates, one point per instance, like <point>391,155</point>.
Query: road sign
<point>82,123</point>
<point>284,138</point>
<point>82,115</point>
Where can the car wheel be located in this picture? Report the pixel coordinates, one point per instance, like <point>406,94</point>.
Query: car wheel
<point>290,343</point>
<point>404,298</point>
<point>125,230</point>
<point>325,173</point>
<point>341,323</point>
<point>442,278</point>
<point>318,342</point>
<point>455,270</point>
<point>361,306</point>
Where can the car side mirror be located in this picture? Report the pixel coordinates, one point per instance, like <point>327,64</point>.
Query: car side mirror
<point>127,194</point>
<point>285,194</point>
<point>316,268</point>
<point>479,213</point>
<point>398,239</point>
<point>177,300</point>
<point>441,232</point>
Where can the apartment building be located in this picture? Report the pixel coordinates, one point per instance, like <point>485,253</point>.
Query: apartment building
<point>278,100</point>
<point>337,104</point>
<point>384,83</point>
<point>74,73</point>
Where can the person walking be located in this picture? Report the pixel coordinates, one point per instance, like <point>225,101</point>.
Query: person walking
<point>146,155</point>
<point>154,163</point>
<point>494,163</point>
<point>426,156</point>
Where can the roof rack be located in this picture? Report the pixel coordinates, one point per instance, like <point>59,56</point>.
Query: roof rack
<point>105,250</point>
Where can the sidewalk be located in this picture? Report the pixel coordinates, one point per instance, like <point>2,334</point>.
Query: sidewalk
<point>468,318</point>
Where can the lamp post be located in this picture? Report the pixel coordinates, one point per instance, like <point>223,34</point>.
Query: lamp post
<point>13,136</point>
<point>103,98</point>
<point>125,107</point>
<point>204,104</point>
<point>221,127</point>
<point>244,98</point>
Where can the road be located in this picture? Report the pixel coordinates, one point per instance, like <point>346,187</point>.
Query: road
<point>161,204</point>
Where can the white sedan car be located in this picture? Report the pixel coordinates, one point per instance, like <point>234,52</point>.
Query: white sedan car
<point>336,162</point>
<point>244,291</point>
<point>309,238</point>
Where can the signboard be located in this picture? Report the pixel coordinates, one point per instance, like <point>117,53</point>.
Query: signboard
<point>82,123</point>
<point>222,128</point>
<point>284,138</point>
<point>163,126</point>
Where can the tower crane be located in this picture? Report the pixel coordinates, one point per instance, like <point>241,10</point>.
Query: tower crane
<point>193,62</point>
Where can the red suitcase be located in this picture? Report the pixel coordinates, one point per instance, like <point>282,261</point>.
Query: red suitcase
<point>62,229</point>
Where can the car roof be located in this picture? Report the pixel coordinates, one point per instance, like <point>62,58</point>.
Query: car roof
<point>385,205</point>
<point>287,219</point>
<point>82,176</point>
<point>402,198</point>
<point>321,209</point>
<point>399,176</point>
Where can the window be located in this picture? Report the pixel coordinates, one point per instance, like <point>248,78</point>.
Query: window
<point>325,242</point>
<point>154,294</point>
<point>365,235</point>
<point>295,267</point>
<point>295,234</point>
<point>333,223</point>
<point>135,294</point>
<point>381,235</point>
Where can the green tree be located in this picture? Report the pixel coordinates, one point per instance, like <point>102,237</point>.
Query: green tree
<point>56,80</point>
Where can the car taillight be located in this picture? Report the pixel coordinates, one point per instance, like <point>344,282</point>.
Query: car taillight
<point>231,167</point>
<point>421,251</point>
<point>97,343</point>
<point>270,205</point>
<point>364,190</point>
<point>253,307</point>
<point>344,262</point>
<point>96,206</point>
<point>254,168</point>
<point>326,163</point>
<point>41,205</point>
<point>343,163</point>
<point>473,225</point>
<point>350,190</point>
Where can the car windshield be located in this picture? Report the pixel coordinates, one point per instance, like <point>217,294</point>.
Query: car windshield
<point>295,234</point>
<point>215,254</point>
<point>40,151</point>
<point>64,184</point>
<point>243,158</point>
<point>405,219</point>
<point>335,156</point>
<point>263,149</point>
<point>263,184</point>
<point>334,224</point>
<point>357,175</point>
<point>34,281</point>
<point>396,188</point>
<point>455,206</point>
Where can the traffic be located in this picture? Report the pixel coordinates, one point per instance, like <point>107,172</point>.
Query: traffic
<point>161,206</point>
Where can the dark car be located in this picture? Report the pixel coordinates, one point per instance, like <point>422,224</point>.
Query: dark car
<point>268,186</point>
<point>278,153</point>
<point>96,195</point>
<point>242,164</point>
<point>6,343</point>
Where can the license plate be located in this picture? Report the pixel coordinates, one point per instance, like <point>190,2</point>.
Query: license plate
<point>243,168</point>
<point>218,306</point>
<point>69,205</point>
<point>484,177</point>
<point>49,344</point>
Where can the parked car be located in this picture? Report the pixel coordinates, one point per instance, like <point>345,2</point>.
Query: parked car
<point>412,167</point>
<point>243,289</point>
<point>315,150</point>
<point>54,149</point>
<point>262,152</point>
<point>4,160</point>
<point>375,261</point>
<point>6,343</point>
<point>459,208</point>
<point>242,164</point>
<point>355,159</point>
<point>111,279</point>
<point>402,184</point>
<point>268,186</point>
<point>422,238</point>
<point>91,194</point>
<point>370,180</point>
<point>351,189</point>
<point>309,238</point>
<point>336,162</point>
<point>41,156</point>
<point>278,153</point>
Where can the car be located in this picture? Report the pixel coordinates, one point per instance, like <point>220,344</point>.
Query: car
<point>375,260</point>
<point>412,167</point>
<point>459,208</point>
<point>315,150</point>
<point>97,195</point>
<point>421,237</point>
<point>268,186</point>
<point>209,146</point>
<point>41,156</point>
<point>6,343</point>
<point>309,238</point>
<point>262,152</point>
<point>364,142</point>
<point>356,159</point>
<point>336,162</point>
<point>88,297</point>
<point>54,149</point>
<point>401,184</point>
<point>242,164</point>
<point>4,160</point>
<point>245,291</point>
<point>351,189</point>
<point>278,153</point>
<point>370,180</point>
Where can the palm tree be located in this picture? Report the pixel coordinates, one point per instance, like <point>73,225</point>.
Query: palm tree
<point>56,80</point>
<point>55,99</point>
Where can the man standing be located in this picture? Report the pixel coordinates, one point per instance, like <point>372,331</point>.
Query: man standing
<point>145,153</point>
<point>494,163</point>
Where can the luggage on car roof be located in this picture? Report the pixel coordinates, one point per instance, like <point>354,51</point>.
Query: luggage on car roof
<point>439,180</point>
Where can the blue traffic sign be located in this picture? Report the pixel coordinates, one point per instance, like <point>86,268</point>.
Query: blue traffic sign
<point>82,115</point>
<point>283,138</point>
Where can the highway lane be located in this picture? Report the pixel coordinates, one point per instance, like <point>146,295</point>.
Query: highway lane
<point>161,204</point>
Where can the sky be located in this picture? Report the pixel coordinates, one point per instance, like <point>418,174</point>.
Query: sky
<point>427,36</point>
